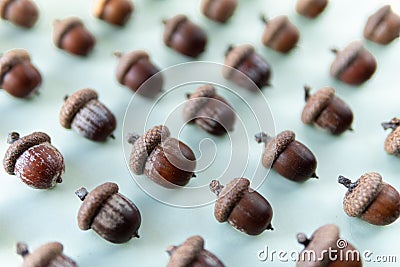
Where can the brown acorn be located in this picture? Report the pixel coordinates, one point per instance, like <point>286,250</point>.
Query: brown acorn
<point>17,74</point>
<point>392,142</point>
<point>115,12</point>
<point>47,255</point>
<point>110,214</point>
<point>87,116</point>
<point>327,111</point>
<point>311,8</point>
<point>165,160</point>
<point>71,35</point>
<point>192,253</point>
<point>135,68</point>
<point>371,199</point>
<point>290,158</point>
<point>184,36</point>
<point>23,13</point>
<point>209,111</point>
<point>34,160</point>
<point>243,208</point>
<point>248,63</point>
<point>383,26</point>
<point>353,65</point>
<point>218,10</point>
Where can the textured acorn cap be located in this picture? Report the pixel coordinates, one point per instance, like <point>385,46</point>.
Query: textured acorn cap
<point>144,145</point>
<point>234,57</point>
<point>392,142</point>
<point>345,57</point>
<point>93,203</point>
<point>17,148</point>
<point>316,104</point>
<point>357,200</point>
<point>10,59</point>
<point>73,104</point>
<point>197,100</point>
<point>275,146</point>
<point>43,255</point>
<point>185,254</point>
<point>127,60</point>
<point>61,27</point>
<point>171,25</point>
<point>273,27</point>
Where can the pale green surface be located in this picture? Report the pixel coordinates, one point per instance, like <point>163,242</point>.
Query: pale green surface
<point>41,216</point>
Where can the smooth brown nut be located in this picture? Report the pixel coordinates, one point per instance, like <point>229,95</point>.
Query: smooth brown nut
<point>392,142</point>
<point>371,199</point>
<point>244,208</point>
<point>23,13</point>
<point>383,26</point>
<point>115,12</point>
<point>71,35</point>
<point>311,8</point>
<point>17,74</point>
<point>110,214</point>
<point>192,253</point>
<point>34,160</point>
<point>87,116</point>
<point>218,10</point>
<point>209,111</point>
<point>290,158</point>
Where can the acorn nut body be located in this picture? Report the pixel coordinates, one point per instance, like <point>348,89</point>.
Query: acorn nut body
<point>383,26</point>
<point>34,160</point>
<point>23,13</point>
<point>311,8</point>
<point>110,214</point>
<point>115,12</point>
<point>218,10</point>
<point>392,142</point>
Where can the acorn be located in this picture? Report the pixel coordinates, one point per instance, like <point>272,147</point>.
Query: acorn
<point>192,253</point>
<point>327,111</point>
<point>71,35</point>
<point>252,68</point>
<point>165,160</point>
<point>47,255</point>
<point>34,160</point>
<point>134,69</point>
<point>311,8</point>
<point>392,142</point>
<point>209,111</point>
<point>243,207</point>
<point>115,12</point>
<point>371,199</point>
<point>287,156</point>
<point>383,26</point>
<point>87,116</point>
<point>17,74</point>
<point>23,13</point>
<point>353,65</point>
<point>218,10</point>
<point>110,214</point>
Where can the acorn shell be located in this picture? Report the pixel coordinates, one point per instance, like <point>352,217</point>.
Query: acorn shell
<point>392,142</point>
<point>383,26</point>
<point>234,57</point>
<point>28,19</point>
<point>311,8</point>
<point>218,10</point>
<point>170,27</point>
<point>127,60</point>
<point>197,100</point>
<point>61,27</point>
<point>275,146</point>
<point>11,58</point>
<point>316,104</point>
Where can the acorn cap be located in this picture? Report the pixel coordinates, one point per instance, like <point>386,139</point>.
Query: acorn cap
<point>273,27</point>
<point>98,7</point>
<point>185,254</point>
<point>392,142</point>
<point>61,27</point>
<point>235,57</point>
<point>144,145</point>
<point>197,100</point>
<point>345,57</point>
<point>367,188</point>
<point>127,60</point>
<point>3,7</point>
<point>316,104</point>
<point>10,59</point>
<point>17,148</point>
<point>275,146</point>
<point>93,203</point>
<point>73,105</point>
<point>43,255</point>
<point>171,25</point>
<point>229,196</point>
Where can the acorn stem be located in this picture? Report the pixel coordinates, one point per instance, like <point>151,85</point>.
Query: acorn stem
<point>118,54</point>
<point>12,137</point>
<point>393,124</point>
<point>262,138</point>
<point>307,90</point>
<point>314,175</point>
<point>188,95</point>
<point>171,249</point>
<point>81,193</point>
<point>136,235</point>
<point>229,49</point>
<point>347,183</point>
<point>302,239</point>
<point>216,187</point>
<point>22,249</point>
<point>132,137</point>
<point>112,136</point>
<point>66,97</point>
<point>334,50</point>
<point>264,18</point>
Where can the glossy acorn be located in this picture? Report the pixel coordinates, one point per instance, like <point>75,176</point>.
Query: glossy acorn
<point>392,142</point>
<point>115,12</point>
<point>209,111</point>
<point>110,214</point>
<point>252,68</point>
<point>184,36</point>
<point>23,13</point>
<point>71,35</point>
<point>34,160</point>
<point>134,69</point>
<point>371,199</point>
<point>87,116</point>
<point>311,8</point>
<point>17,74</point>
<point>192,253</point>
<point>244,208</point>
<point>327,111</point>
<point>218,10</point>
<point>287,156</point>
<point>383,26</point>
<point>353,65</point>
<point>165,160</point>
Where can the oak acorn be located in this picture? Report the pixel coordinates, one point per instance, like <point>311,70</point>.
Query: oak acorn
<point>383,26</point>
<point>115,12</point>
<point>218,10</point>
<point>311,8</point>
<point>392,142</point>
<point>23,13</point>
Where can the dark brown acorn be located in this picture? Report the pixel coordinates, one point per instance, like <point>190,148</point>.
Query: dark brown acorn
<point>184,36</point>
<point>244,208</point>
<point>87,116</point>
<point>209,111</point>
<point>115,12</point>
<point>392,142</point>
<point>34,160</point>
<point>248,63</point>
<point>218,10</point>
<point>110,214</point>
<point>327,111</point>
<point>311,8</point>
<point>135,68</point>
<point>23,13</point>
<point>383,26</point>
<point>17,74</point>
<point>288,157</point>
<point>353,65</point>
<point>192,253</point>
<point>165,160</point>
<point>371,199</point>
<point>71,35</point>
